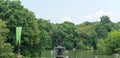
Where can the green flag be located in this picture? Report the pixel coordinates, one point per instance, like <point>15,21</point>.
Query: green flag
<point>18,35</point>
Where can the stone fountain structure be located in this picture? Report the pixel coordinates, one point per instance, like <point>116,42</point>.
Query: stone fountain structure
<point>59,49</point>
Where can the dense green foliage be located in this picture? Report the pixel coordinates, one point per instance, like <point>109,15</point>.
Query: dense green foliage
<point>113,41</point>
<point>5,48</point>
<point>66,31</point>
<point>45,28</point>
<point>16,15</point>
<point>111,44</point>
<point>40,34</point>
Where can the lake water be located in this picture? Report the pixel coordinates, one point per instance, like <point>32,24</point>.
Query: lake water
<point>87,54</point>
<point>78,54</point>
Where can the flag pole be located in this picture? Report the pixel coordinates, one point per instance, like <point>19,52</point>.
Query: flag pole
<point>19,50</point>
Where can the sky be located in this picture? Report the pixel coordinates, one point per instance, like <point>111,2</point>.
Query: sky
<point>76,11</point>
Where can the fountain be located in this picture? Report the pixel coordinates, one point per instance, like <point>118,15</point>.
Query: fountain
<point>59,50</point>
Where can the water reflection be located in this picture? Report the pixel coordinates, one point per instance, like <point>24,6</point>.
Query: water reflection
<point>88,54</point>
<point>80,54</point>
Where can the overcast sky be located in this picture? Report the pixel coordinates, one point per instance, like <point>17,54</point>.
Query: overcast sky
<point>76,11</point>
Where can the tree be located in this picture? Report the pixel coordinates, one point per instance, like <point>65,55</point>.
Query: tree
<point>66,31</point>
<point>45,28</point>
<point>111,44</point>
<point>6,49</point>
<point>16,15</point>
<point>113,41</point>
<point>86,31</point>
<point>101,45</point>
<point>105,19</point>
<point>104,27</point>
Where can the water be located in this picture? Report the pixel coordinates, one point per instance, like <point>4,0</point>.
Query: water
<point>78,54</point>
<point>87,54</point>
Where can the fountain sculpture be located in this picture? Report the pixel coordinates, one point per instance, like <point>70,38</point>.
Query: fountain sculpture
<point>59,49</point>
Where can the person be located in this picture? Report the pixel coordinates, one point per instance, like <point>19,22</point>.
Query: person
<point>96,57</point>
<point>52,54</point>
<point>19,56</point>
<point>67,57</point>
<point>116,55</point>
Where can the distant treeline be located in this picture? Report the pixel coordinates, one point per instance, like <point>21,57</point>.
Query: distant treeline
<point>39,34</point>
